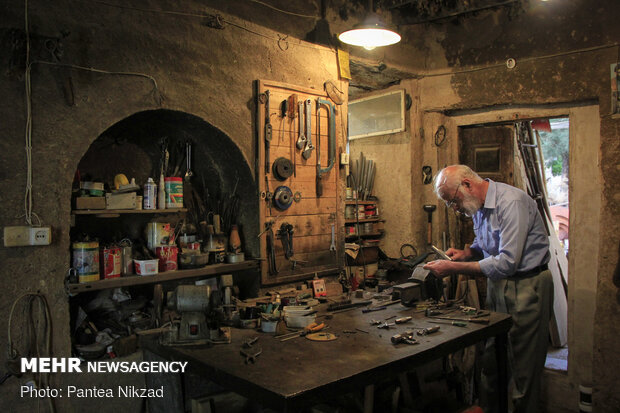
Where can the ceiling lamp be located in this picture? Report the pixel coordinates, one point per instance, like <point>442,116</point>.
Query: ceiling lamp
<point>371,33</point>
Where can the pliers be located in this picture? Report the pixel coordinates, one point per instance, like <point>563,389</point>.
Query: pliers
<point>310,328</point>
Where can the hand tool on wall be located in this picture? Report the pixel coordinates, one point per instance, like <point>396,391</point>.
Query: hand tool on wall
<point>268,130</point>
<point>271,248</point>
<point>332,247</point>
<point>331,158</point>
<point>301,140</point>
<point>429,210</point>
<point>309,146</point>
<point>286,237</point>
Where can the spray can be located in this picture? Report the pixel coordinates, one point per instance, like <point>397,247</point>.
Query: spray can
<point>150,194</point>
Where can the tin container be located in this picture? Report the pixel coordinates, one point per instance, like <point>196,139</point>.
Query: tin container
<point>167,256</point>
<point>86,261</point>
<point>157,234</point>
<point>111,260</point>
<point>174,192</point>
<point>349,212</point>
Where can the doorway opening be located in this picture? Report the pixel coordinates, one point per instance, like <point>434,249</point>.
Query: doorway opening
<point>553,138</point>
<point>531,155</point>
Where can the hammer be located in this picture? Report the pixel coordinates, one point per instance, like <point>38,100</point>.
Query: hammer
<point>429,210</point>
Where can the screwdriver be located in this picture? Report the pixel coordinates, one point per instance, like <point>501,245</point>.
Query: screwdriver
<point>454,323</point>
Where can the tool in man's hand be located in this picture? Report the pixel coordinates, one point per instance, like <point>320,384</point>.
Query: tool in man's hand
<point>310,328</point>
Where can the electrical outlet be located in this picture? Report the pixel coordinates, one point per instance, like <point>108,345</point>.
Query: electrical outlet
<point>20,236</point>
<point>40,236</point>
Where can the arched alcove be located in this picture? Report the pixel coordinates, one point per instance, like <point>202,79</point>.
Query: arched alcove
<point>133,146</point>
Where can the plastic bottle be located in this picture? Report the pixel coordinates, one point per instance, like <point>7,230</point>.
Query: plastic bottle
<point>150,194</point>
<point>161,194</point>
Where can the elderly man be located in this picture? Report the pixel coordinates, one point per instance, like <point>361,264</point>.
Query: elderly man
<point>511,249</point>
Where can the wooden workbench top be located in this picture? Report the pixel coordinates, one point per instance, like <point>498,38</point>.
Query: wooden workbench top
<point>299,370</point>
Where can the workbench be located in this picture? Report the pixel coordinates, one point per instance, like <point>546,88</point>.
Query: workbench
<point>289,375</point>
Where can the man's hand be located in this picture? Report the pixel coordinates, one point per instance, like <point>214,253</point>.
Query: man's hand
<point>459,255</point>
<point>440,268</point>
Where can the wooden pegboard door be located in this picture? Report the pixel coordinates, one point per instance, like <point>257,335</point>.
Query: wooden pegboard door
<point>312,216</point>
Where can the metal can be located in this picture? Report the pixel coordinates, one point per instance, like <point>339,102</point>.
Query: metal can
<point>86,261</point>
<point>111,260</point>
<point>150,194</point>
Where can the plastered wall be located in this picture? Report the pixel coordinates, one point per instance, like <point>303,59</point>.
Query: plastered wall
<point>206,72</point>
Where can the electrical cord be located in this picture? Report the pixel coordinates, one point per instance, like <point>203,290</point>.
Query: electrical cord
<point>13,354</point>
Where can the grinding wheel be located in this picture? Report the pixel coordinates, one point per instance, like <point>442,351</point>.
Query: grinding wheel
<point>321,337</point>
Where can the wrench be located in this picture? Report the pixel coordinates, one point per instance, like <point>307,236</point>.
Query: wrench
<point>309,146</point>
<point>333,246</point>
<point>301,140</point>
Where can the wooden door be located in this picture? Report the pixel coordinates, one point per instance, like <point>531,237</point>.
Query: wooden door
<point>488,150</point>
<point>311,215</point>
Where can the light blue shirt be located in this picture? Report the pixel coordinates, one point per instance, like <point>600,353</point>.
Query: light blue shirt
<point>510,232</point>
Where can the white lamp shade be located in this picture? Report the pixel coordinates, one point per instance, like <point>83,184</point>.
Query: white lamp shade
<point>370,34</point>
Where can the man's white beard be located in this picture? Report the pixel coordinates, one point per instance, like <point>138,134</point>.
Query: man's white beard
<point>470,205</point>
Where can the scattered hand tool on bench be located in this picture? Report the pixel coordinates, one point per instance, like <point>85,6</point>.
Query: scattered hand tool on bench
<point>310,328</point>
<point>454,323</point>
<point>400,320</point>
<point>427,330</point>
<point>370,309</point>
<point>251,354</point>
<point>406,337</point>
<point>471,320</point>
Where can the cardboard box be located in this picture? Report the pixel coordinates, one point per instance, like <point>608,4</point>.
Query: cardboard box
<point>120,201</point>
<point>90,202</point>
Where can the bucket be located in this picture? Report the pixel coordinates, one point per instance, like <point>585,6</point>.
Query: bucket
<point>86,261</point>
<point>111,260</point>
<point>167,256</point>
<point>174,192</point>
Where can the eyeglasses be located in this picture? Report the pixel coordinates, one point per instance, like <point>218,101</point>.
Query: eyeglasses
<point>451,202</point>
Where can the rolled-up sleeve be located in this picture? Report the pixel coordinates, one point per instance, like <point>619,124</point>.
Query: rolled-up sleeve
<point>508,241</point>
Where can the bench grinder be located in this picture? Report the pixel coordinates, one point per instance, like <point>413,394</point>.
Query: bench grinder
<point>192,303</point>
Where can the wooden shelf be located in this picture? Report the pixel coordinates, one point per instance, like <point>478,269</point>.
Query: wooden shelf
<point>127,211</point>
<point>355,221</point>
<point>350,202</point>
<point>214,269</point>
